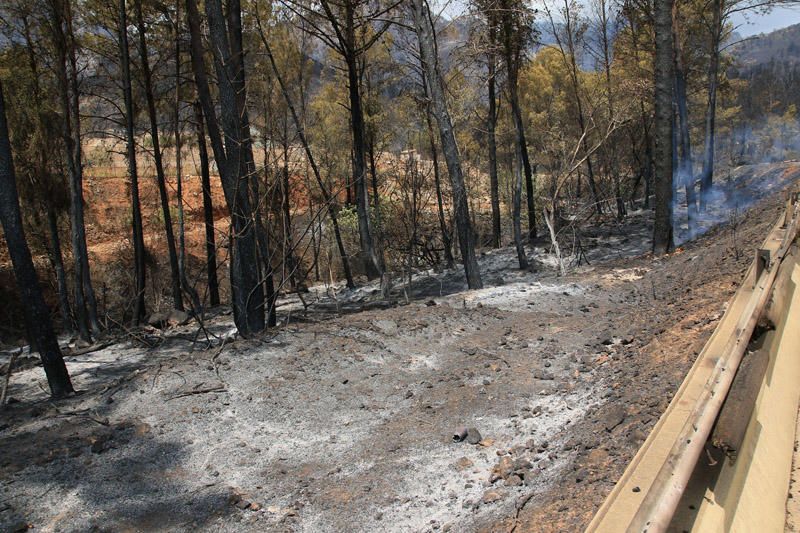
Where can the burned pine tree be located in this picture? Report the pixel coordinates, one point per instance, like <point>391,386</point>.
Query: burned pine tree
<point>233,155</point>
<point>65,65</point>
<point>147,81</point>
<point>208,208</point>
<point>330,201</point>
<point>342,27</point>
<point>426,36</point>
<point>37,315</point>
<point>139,310</point>
<point>662,129</point>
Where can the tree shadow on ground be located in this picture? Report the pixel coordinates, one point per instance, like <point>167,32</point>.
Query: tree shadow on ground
<point>89,477</point>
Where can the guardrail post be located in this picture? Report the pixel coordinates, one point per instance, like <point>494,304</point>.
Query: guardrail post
<point>791,199</point>
<point>763,258</point>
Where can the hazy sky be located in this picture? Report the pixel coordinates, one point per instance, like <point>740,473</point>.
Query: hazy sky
<point>746,25</point>
<point>778,18</point>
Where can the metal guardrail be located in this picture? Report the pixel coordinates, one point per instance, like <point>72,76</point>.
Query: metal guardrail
<point>648,493</point>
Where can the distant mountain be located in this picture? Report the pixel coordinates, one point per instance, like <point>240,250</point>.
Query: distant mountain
<point>782,46</point>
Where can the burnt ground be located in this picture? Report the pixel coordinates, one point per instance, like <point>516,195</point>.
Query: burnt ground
<point>342,419</point>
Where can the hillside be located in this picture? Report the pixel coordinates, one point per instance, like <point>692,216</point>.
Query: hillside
<point>344,418</point>
<point>779,46</point>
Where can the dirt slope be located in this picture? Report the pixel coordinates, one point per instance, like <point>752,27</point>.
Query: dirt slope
<point>344,422</point>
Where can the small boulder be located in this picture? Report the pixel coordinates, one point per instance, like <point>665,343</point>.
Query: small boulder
<point>473,436</point>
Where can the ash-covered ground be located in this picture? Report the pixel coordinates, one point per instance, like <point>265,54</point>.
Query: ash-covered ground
<point>343,418</point>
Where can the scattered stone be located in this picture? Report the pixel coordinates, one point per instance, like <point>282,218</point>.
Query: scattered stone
<point>99,443</point>
<point>473,436</point>
<point>491,496</point>
<point>176,317</point>
<point>460,434</point>
<point>613,417</point>
<point>387,327</point>
<point>503,469</point>
<point>463,463</point>
<point>513,481</point>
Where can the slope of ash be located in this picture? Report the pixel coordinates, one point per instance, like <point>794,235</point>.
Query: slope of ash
<point>343,418</point>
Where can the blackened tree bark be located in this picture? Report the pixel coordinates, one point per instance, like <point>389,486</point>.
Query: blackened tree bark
<point>185,285</point>
<point>139,310</point>
<point>52,198</point>
<point>447,241</point>
<point>685,168</point>
<point>491,140</point>
<point>208,209</point>
<point>707,174</point>
<point>515,35</point>
<point>662,129</point>
<point>37,316</point>
<point>66,68</point>
<point>147,80</point>
<point>57,261</point>
<point>423,24</point>
<point>372,262</point>
<point>234,157</point>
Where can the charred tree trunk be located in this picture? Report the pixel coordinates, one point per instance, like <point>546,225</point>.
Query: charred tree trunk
<point>369,254</point>
<point>42,156</point>
<point>37,316</point>
<point>517,208</point>
<point>430,64</point>
<point>57,261</point>
<point>521,150</point>
<point>139,310</point>
<point>376,202</point>
<point>707,175</point>
<point>685,170</point>
<point>662,228</point>
<point>147,80</point>
<point>286,211</point>
<point>85,305</point>
<point>185,285</point>
<point>234,157</point>
<point>208,210</point>
<point>447,241</point>
<point>491,127</point>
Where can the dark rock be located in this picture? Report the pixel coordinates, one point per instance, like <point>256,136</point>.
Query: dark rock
<point>613,417</point>
<point>513,481</point>
<point>460,434</point>
<point>242,504</point>
<point>473,436</point>
<point>176,317</point>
